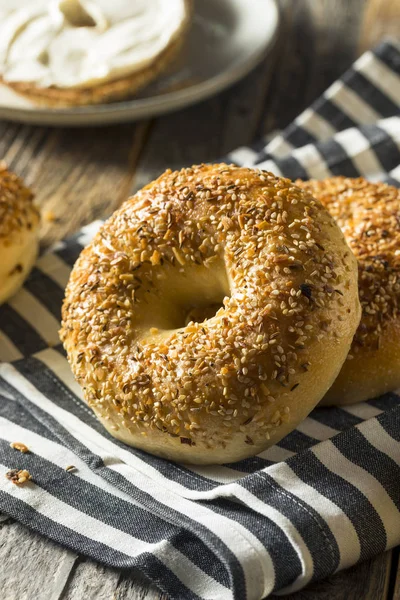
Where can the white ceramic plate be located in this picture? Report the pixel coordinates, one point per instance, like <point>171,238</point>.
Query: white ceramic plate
<point>228,38</point>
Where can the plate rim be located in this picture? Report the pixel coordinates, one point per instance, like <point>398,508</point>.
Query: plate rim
<point>136,109</point>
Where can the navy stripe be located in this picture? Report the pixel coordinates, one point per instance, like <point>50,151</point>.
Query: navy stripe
<point>386,401</point>
<point>204,535</point>
<point>391,181</point>
<point>290,167</point>
<point>359,451</point>
<point>350,500</point>
<point>250,465</point>
<point>112,510</point>
<point>259,145</point>
<point>390,421</point>
<point>15,412</point>
<point>46,382</point>
<point>70,252</point>
<point>269,534</point>
<point>23,336</point>
<point>60,349</point>
<point>335,417</point>
<point>389,54</point>
<point>261,157</point>
<point>46,291</point>
<point>148,564</point>
<point>337,159</point>
<point>296,441</point>
<point>386,150</point>
<point>306,520</point>
<point>297,136</point>
<point>370,94</point>
<point>332,114</point>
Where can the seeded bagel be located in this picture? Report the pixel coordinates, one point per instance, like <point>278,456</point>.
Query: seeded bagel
<point>211,313</point>
<point>369,216</point>
<point>19,232</point>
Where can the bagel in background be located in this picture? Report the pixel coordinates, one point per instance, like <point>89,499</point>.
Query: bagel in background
<point>19,233</point>
<point>369,216</point>
<point>267,274</point>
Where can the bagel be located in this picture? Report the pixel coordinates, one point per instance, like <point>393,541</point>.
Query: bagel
<point>19,228</point>
<point>66,53</point>
<point>369,216</point>
<point>271,283</point>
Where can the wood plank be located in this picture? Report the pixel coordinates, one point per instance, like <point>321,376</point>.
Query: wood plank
<point>318,42</point>
<point>207,131</point>
<point>381,19</point>
<point>78,175</point>
<point>91,581</point>
<point>396,574</point>
<point>135,587</point>
<point>367,581</point>
<point>31,566</point>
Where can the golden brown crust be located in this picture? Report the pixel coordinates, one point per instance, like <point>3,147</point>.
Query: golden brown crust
<point>233,384</point>
<point>19,225</point>
<point>17,211</point>
<point>369,216</point>
<point>110,91</point>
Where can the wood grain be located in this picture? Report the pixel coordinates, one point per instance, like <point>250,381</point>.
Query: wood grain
<point>396,574</point>
<point>90,581</point>
<point>31,566</point>
<point>381,19</point>
<point>208,131</point>
<point>78,175</point>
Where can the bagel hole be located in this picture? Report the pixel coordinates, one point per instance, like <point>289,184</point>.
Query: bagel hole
<point>192,294</point>
<point>198,314</point>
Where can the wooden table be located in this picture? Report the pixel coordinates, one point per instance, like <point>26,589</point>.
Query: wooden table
<point>81,175</point>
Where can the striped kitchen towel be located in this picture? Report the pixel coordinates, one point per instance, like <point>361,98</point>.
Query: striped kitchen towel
<point>325,498</point>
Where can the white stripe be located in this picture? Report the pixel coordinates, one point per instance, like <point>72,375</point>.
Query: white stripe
<point>351,103</point>
<point>61,245</point>
<point>34,313</point>
<point>312,161</point>
<point>6,393</point>
<point>253,556</point>
<point>66,515</point>
<point>55,268</point>
<point>338,522</point>
<point>59,365</point>
<point>395,173</point>
<point>293,535</point>
<point>362,410</point>
<point>316,430</point>
<point>366,483</point>
<point>245,157</point>
<point>59,456</point>
<point>316,125</point>
<point>8,352</point>
<point>279,147</point>
<point>373,431</point>
<point>392,127</point>
<point>217,473</point>
<point>380,75</point>
<point>359,149</point>
<point>276,454</point>
<point>88,232</point>
<point>269,165</point>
